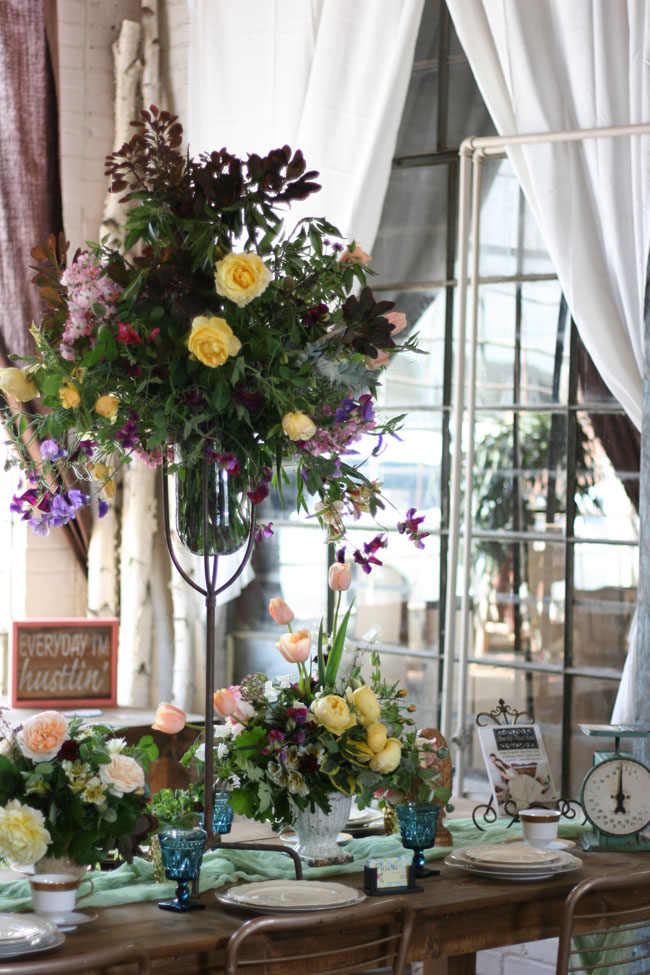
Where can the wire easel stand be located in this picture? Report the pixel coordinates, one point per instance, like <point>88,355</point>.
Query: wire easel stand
<point>503,714</point>
<point>210,592</point>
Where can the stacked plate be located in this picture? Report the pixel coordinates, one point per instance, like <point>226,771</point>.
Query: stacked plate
<point>26,935</point>
<point>513,861</point>
<point>290,896</point>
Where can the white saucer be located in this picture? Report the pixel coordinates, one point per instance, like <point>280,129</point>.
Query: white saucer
<point>73,919</point>
<point>289,836</point>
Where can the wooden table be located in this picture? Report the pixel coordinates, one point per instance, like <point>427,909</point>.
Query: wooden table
<point>457,915</point>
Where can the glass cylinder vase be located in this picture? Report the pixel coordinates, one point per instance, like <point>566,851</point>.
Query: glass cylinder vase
<point>228,508</point>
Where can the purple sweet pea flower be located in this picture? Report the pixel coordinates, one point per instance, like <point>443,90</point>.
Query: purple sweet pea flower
<point>40,526</point>
<point>263,531</point>
<point>62,512</point>
<point>102,508</point>
<point>50,450</point>
<point>299,715</point>
<point>77,499</point>
<point>275,735</point>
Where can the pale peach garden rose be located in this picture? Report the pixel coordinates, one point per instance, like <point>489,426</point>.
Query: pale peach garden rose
<point>280,611</point>
<point>295,647</point>
<point>23,834</point>
<point>122,775</point>
<point>366,703</point>
<point>397,319</point>
<point>383,356</point>
<point>333,713</point>
<point>212,340</point>
<point>340,576</point>
<point>388,758</point>
<point>107,406</point>
<point>298,426</point>
<point>42,736</point>
<point>69,396</point>
<point>14,382</point>
<point>241,277</point>
<point>169,719</point>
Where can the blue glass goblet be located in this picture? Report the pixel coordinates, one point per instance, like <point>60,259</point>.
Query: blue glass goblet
<point>181,851</point>
<point>418,822</point>
<point>222,813</point>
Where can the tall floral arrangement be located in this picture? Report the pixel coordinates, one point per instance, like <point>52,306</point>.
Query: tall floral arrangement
<point>216,327</point>
<point>70,790</point>
<point>292,742</point>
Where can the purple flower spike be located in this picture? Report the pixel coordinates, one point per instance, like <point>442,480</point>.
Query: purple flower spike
<point>102,508</point>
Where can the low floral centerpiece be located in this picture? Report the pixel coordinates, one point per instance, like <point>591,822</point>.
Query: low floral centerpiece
<point>213,328</point>
<point>71,791</point>
<point>311,741</point>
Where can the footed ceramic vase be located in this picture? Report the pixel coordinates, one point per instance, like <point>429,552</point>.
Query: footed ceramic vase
<point>317,832</point>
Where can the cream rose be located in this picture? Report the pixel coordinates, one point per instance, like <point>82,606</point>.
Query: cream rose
<point>107,406</point>
<point>298,426</point>
<point>333,713</point>
<point>15,383</point>
<point>123,774</point>
<point>212,341</point>
<point>241,277</point>
<point>388,758</point>
<point>23,836</point>
<point>42,736</point>
<point>366,703</point>
<point>69,396</point>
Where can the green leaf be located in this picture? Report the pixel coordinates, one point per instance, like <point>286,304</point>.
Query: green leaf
<point>220,397</point>
<point>321,657</point>
<point>334,659</point>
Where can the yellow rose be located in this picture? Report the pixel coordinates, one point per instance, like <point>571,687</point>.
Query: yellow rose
<point>333,713</point>
<point>388,758</point>
<point>366,703</point>
<point>69,396</point>
<point>15,383</point>
<point>212,340</point>
<point>241,277</point>
<point>377,736</point>
<point>298,426</point>
<point>107,406</point>
<point>23,835</point>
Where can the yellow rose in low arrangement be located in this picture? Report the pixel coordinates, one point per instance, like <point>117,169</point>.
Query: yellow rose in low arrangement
<point>298,426</point>
<point>23,835</point>
<point>241,277</point>
<point>367,706</point>
<point>388,758</point>
<point>333,713</point>
<point>212,341</point>
<point>107,406</point>
<point>15,383</point>
<point>377,737</point>
<point>69,396</point>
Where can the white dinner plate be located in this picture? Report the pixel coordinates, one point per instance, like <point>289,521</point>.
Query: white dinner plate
<point>497,873</point>
<point>44,944</point>
<point>363,817</point>
<point>556,858</point>
<point>291,896</point>
<point>558,844</point>
<point>515,854</point>
<point>17,930</point>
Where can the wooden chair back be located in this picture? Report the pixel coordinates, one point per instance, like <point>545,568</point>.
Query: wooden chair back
<point>372,936</point>
<point>94,961</point>
<point>606,926</point>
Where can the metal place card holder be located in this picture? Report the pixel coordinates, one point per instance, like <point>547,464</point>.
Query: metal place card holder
<point>485,814</point>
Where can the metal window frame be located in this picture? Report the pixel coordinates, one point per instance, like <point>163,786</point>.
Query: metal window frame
<point>473,152</point>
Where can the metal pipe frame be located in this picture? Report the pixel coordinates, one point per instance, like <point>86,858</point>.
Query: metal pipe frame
<point>473,152</point>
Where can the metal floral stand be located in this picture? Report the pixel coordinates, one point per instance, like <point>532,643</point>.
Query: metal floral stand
<point>210,592</point>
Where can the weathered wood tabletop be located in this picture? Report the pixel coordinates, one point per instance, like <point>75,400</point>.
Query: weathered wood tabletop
<point>457,915</point>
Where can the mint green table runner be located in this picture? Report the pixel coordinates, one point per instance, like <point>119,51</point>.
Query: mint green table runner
<point>134,882</point>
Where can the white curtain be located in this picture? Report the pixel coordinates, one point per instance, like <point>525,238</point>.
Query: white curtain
<point>553,65</point>
<point>328,77</point>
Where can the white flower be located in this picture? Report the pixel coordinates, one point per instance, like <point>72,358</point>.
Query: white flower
<point>122,775</point>
<point>271,692</point>
<point>199,754</point>
<point>222,750</point>
<point>115,745</point>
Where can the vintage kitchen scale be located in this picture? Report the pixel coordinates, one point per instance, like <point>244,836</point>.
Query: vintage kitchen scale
<point>615,793</point>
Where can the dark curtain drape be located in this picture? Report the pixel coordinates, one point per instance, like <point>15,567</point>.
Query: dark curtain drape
<point>30,189</point>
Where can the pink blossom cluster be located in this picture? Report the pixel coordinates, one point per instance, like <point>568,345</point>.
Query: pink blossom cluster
<point>351,421</point>
<point>87,285</point>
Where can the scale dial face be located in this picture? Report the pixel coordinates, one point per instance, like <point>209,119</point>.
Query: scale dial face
<point>616,796</point>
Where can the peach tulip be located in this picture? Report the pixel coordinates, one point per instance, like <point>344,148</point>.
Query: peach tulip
<point>397,319</point>
<point>169,718</point>
<point>295,647</point>
<point>224,702</point>
<point>340,576</point>
<point>383,356</point>
<point>355,256</point>
<point>280,611</point>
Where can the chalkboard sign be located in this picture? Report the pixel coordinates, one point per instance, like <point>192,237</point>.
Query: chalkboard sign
<point>64,662</point>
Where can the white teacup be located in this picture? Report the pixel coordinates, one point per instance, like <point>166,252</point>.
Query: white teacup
<point>539,826</point>
<point>54,895</point>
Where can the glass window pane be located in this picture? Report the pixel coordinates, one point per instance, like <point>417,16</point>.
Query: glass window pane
<point>608,478</point>
<point>602,612</point>
<point>592,702</point>
<point>417,380</point>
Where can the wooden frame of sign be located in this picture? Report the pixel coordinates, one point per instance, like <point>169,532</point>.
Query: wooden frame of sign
<point>63,662</point>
